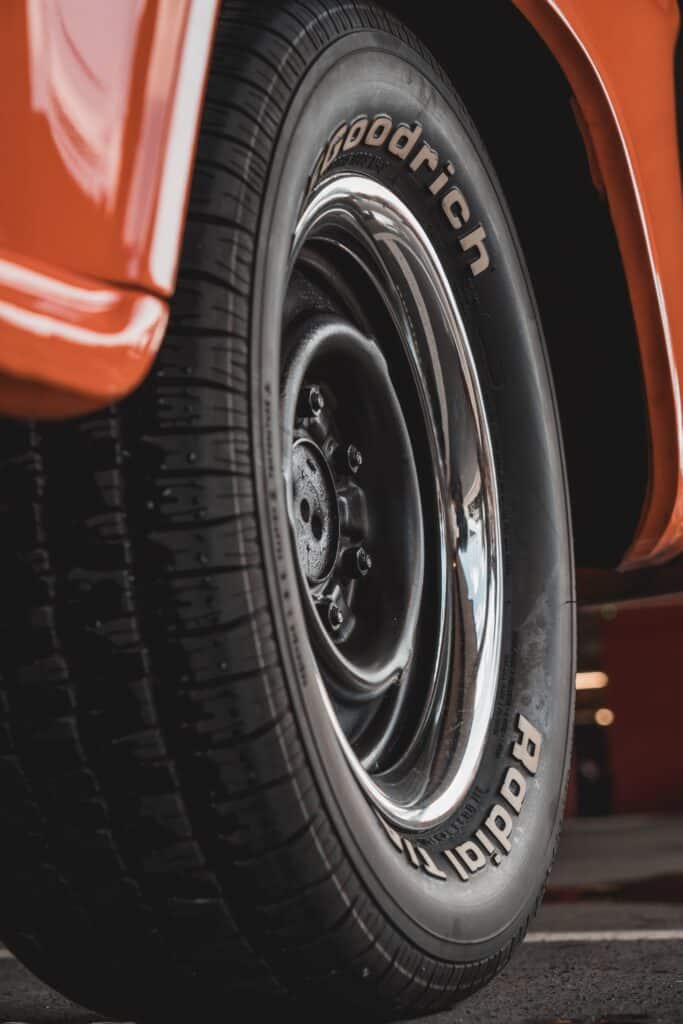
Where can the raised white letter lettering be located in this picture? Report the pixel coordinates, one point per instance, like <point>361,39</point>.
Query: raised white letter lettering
<point>475,240</point>
<point>528,752</point>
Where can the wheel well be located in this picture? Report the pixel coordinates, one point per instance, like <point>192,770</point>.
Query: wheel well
<point>520,102</point>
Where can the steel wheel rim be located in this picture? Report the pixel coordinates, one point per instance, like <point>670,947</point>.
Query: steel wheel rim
<point>356,221</point>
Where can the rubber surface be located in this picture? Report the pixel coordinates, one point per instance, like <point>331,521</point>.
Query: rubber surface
<point>170,844</point>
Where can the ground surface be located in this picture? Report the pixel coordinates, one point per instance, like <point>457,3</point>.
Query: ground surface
<point>606,947</point>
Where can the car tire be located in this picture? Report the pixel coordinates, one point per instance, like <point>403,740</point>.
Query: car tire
<point>288,635</point>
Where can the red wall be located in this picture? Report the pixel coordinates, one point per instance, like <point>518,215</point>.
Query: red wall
<point>643,657</point>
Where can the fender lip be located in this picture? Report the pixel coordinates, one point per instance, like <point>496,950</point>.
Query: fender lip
<point>632,124</point>
<point>71,344</point>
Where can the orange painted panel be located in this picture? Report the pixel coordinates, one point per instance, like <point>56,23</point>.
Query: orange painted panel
<point>99,104</point>
<point>618,56</point>
<point>74,343</point>
<point>99,113</point>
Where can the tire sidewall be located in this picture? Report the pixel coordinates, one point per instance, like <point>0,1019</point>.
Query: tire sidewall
<point>447,918</point>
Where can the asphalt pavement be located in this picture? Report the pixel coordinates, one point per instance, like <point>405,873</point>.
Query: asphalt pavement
<point>605,948</point>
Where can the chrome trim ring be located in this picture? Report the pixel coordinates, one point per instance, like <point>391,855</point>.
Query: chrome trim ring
<point>357,219</point>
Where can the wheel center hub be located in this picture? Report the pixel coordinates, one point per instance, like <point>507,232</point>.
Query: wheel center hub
<point>316,517</point>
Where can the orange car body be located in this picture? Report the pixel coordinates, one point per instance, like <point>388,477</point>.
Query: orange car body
<point>100,105</point>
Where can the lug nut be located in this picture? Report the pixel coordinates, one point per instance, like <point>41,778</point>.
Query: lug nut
<point>356,563</point>
<point>363,561</point>
<point>314,401</point>
<point>354,458</point>
<point>335,617</point>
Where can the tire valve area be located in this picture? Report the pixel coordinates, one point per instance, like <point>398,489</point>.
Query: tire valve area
<point>491,843</point>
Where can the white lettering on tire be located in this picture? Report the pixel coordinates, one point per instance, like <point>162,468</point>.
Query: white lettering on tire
<point>491,843</point>
<point>406,142</point>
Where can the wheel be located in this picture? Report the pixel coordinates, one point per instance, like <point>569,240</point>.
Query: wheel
<point>287,652</point>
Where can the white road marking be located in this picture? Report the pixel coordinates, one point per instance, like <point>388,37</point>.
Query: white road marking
<point>5,954</point>
<point>634,935</point>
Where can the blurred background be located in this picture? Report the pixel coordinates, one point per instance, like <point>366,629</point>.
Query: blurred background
<point>628,748</point>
